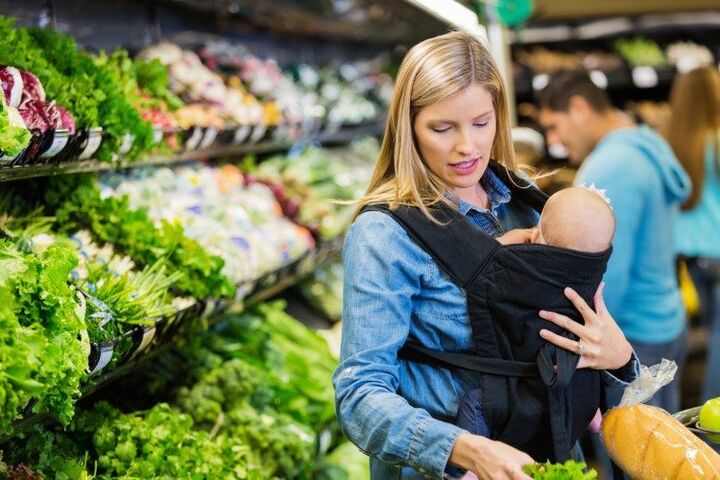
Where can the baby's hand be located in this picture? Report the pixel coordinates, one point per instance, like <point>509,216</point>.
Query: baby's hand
<point>518,235</point>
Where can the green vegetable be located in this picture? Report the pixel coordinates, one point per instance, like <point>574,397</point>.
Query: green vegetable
<point>294,358</point>
<point>13,138</point>
<point>153,77</point>
<point>640,51</point>
<point>570,470</point>
<point>42,354</point>
<point>135,299</point>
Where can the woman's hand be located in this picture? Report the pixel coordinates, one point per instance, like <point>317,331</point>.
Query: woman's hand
<point>601,345</point>
<point>517,235</point>
<point>488,459</point>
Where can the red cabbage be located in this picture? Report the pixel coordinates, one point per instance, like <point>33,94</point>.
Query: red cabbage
<point>33,114</point>
<point>32,88</point>
<point>12,85</point>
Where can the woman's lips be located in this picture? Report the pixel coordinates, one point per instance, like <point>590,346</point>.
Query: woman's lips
<point>467,167</point>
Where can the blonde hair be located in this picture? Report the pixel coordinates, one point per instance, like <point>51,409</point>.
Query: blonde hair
<point>433,70</point>
<point>695,105</point>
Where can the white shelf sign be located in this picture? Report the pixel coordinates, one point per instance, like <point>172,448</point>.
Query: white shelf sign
<point>599,78</point>
<point>540,81</point>
<point>644,77</point>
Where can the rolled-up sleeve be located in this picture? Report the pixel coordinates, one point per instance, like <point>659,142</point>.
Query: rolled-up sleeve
<point>380,281</point>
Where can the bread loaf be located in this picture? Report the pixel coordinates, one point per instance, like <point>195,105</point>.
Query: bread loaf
<point>649,444</point>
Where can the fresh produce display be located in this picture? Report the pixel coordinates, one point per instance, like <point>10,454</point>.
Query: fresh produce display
<point>76,202</point>
<point>351,93</point>
<point>71,79</point>
<point>253,396</point>
<point>641,52</point>
<point>241,223</point>
<point>570,470</point>
<point>648,443</point>
<point>193,81</point>
<point>153,109</point>
<point>313,180</point>
<point>118,296</point>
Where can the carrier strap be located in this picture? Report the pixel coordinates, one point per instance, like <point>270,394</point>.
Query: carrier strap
<point>414,352</point>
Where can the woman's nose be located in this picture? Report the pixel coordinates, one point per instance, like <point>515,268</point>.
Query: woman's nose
<point>464,144</point>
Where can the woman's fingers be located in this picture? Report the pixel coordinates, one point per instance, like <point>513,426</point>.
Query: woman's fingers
<point>600,301</point>
<point>589,352</point>
<point>587,313</point>
<point>564,322</point>
<point>560,341</point>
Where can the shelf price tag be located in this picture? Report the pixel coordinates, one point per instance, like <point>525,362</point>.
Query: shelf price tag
<point>540,81</point>
<point>147,336</point>
<point>644,77</point>
<point>106,351</point>
<point>91,144</point>
<point>194,141</point>
<point>599,78</point>
<point>209,137</point>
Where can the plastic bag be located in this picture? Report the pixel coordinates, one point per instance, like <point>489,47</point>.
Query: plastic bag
<point>650,380</point>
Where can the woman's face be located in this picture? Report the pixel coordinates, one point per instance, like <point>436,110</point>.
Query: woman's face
<point>455,136</point>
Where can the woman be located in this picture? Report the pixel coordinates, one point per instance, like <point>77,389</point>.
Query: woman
<point>694,134</point>
<point>448,118</point>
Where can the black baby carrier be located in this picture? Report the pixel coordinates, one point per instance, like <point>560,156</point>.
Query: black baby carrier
<point>531,395</point>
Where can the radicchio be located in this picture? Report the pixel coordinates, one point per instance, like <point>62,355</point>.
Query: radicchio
<point>45,116</point>
<point>32,88</point>
<point>66,120</point>
<point>12,85</point>
<point>33,114</point>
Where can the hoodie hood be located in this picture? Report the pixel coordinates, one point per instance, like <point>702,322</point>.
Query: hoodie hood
<point>676,181</point>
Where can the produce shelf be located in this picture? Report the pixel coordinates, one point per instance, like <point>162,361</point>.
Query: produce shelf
<point>635,79</point>
<point>147,342</point>
<point>341,136</point>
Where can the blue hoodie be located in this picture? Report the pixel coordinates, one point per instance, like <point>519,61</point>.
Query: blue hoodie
<point>646,185</point>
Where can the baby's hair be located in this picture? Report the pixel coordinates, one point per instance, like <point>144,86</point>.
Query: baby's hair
<point>578,218</point>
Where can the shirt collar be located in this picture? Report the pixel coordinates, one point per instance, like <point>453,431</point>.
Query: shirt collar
<point>496,190</point>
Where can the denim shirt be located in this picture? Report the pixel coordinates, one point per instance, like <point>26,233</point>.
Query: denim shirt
<point>401,413</point>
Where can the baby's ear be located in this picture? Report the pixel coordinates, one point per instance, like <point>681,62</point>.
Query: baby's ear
<point>534,235</point>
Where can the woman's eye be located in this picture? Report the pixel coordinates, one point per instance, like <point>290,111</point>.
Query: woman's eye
<point>441,130</point>
<point>480,124</point>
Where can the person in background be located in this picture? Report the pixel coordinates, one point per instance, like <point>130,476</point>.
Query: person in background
<point>646,185</point>
<point>694,135</point>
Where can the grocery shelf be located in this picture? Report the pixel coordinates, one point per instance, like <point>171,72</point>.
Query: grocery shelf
<point>148,342</point>
<point>636,79</point>
<point>343,135</point>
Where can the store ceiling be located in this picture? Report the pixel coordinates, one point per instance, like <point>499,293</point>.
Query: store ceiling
<point>374,21</point>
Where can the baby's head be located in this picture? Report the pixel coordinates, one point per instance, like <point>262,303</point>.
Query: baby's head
<point>576,218</point>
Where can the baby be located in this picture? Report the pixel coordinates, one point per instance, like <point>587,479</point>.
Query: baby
<point>576,218</point>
